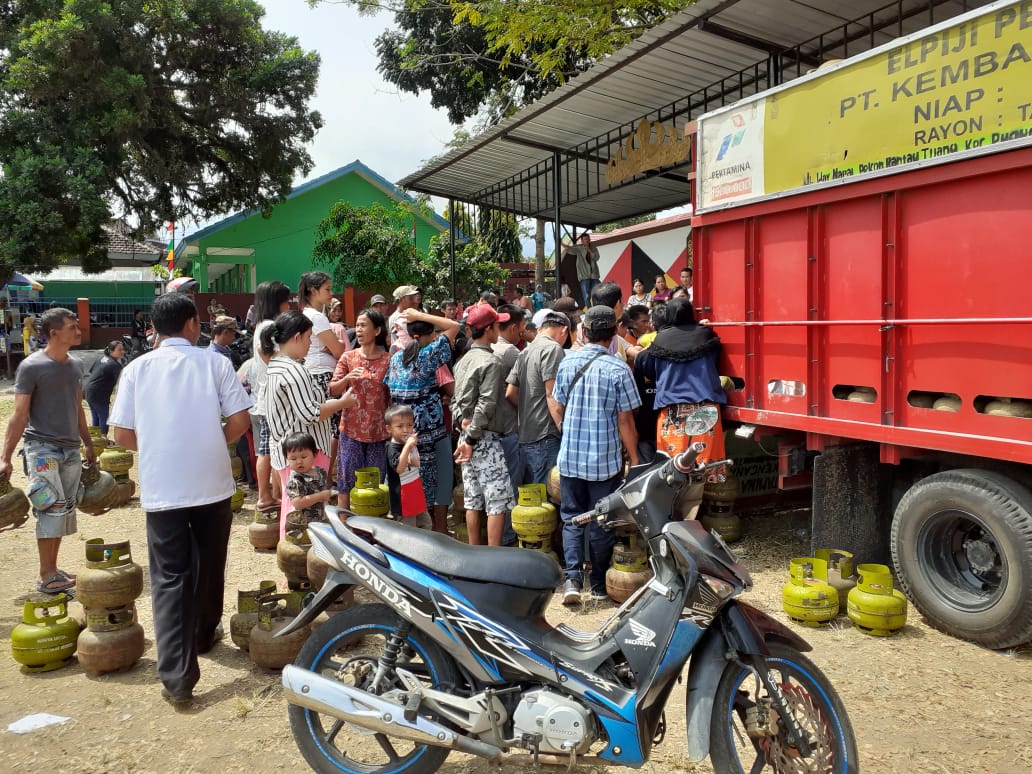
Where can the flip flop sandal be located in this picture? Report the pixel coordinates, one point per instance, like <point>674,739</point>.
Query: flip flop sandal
<point>55,584</point>
<point>66,575</point>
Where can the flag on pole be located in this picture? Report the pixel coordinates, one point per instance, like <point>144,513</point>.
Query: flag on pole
<point>171,246</point>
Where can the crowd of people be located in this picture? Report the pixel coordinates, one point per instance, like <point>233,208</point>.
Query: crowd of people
<point>505,389</point>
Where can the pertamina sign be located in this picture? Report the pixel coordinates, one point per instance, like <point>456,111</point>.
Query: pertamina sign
<point>961,88</point>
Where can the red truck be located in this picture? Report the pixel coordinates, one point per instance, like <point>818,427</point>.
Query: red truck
<point>862,243</point>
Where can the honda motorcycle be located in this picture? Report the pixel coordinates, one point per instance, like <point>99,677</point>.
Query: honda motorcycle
<point>459,656</point>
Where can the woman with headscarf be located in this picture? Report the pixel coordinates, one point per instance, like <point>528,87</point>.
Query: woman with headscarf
<point>271,299</point>
<point>682,362</point>
<point>294,402</point>
<point>412,379</point>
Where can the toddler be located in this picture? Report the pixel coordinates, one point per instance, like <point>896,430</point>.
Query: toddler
<point>306,487</point>
<point>408,502</point>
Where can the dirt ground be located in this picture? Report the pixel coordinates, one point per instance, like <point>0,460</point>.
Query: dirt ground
<point>919,702</point>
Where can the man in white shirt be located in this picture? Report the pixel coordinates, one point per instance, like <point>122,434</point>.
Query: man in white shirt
<point>686,282</point>
<point>408,297</point>
<point>169,406</point>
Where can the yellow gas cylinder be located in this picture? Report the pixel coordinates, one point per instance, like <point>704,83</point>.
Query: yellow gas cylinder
<point>266,649</point>
<point>727,525</point>
<point>98,441</point>
<point>1008,407</point>
<point>367,497</point>
<point>112,642</point>
<point>246,617</point>
<point>840,572</point>
<point>110,578</point>
<point>46,637</point>
<point>629,570</point>
<point>458,498</point>
<point>14,505</point>
<point>948,402</point>
<point>236,500</point>
<point>875,607</point>
<point>115,459</point>
<point>292,557</point>
<point>96,490</point>
<point>720,496</point>
<point>533,518</point>
<point>263,532</point>
<point>124,490</point>
<point>807,598</point>
<point>552,486</point>
<point>863,395</point>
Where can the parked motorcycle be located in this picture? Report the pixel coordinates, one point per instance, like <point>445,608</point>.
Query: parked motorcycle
<point>460,657</point>
<point>134,348</point>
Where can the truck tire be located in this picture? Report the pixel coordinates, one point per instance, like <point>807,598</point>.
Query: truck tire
<point>962,549</point>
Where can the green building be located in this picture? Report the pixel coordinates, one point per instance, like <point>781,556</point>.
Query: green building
<point>243,250</point>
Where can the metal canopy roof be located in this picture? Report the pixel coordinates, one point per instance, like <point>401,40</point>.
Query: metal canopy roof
<point>713,53</point>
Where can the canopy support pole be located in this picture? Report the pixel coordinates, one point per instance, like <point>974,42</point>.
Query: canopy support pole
<point>451,244</point>
<point>557,190</point>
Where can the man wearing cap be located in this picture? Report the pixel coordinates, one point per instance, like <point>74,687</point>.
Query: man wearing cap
<point>484,416</point>
<point>598,397</point>
<point>222,335</point>
<point>379,303</point>
<point>408,297</point>
<point>530,386</point>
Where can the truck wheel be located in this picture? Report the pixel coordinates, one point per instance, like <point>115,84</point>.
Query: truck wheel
<point>962,549</point>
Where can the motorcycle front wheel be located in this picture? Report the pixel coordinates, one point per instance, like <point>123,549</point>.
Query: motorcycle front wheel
<point>746,736</point>
<point>349,647</point>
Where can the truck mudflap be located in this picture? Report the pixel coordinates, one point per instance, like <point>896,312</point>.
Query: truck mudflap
<point>336,582</point>
<point>744,630</point>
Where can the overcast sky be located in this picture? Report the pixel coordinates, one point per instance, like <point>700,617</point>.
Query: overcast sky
<point>364,117</point>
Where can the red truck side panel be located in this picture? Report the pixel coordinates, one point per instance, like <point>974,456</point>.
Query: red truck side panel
<point>891,284</point>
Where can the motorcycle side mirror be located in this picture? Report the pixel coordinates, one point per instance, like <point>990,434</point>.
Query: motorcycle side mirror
<point>702,420</point>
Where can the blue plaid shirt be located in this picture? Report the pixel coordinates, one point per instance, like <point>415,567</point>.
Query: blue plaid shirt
<point>590,449</point>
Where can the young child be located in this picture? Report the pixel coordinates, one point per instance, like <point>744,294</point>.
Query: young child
<point>306,487</point>
<point>408,503</point>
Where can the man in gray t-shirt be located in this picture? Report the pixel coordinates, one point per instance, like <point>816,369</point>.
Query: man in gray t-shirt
<point>48,413</point>
<point>530,390</point>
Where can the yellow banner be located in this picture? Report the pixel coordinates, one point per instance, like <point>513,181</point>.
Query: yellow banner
<point>959,87</point>
<point>952,90</point>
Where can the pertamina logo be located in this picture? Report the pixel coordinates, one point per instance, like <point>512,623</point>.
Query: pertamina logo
<point>732,139</point>
<point>644,637</point>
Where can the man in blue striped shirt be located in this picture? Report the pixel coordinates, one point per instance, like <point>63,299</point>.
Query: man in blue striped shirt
<point>598,397</point>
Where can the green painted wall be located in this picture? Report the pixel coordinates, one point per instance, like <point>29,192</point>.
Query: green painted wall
<point>283,242</point>
<point>133,291</point>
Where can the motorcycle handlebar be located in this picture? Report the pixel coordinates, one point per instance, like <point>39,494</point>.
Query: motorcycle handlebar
<point>685,461</point>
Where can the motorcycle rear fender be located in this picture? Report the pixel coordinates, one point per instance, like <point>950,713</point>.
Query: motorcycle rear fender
<point>744,630</point>
<point>336,582</point>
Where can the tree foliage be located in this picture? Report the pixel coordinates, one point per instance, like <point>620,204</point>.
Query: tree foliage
<point>144,111</point>
<point>368,246</point>
<point>491,57</point>
<point>476,269</point>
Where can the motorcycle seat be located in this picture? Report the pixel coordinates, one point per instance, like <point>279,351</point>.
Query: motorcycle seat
<point>444,555</point>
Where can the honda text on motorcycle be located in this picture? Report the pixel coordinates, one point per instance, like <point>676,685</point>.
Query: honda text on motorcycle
<point>459,655</point>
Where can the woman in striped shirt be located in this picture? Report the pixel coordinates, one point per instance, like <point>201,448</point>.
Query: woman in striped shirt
<point>293,401</point>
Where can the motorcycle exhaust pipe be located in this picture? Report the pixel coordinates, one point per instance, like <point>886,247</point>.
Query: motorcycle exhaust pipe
<point>360,708</point>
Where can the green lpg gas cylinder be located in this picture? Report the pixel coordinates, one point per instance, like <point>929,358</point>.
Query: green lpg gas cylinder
<point>292,557</point>
<point>629,570</point>
<point>14,505</point>
<point>874,606</point>
<point>114,646</point>
<point>115,459</point>
<point>111,578</point>
<point>840,572</point>
<point>367,497</point>
<point>534,518</point>
<point>246,617</point>
<point>236,500</point>
<point>46,637</point>
<point>263,533</point>
<point>807,598</point>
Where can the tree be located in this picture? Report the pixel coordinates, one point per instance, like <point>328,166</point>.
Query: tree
<point>368,246</point>
<point>491,57</point>
<point>144,111</point>
<point>475,270</point>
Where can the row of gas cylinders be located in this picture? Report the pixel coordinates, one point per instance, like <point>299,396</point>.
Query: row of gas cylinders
<point>823,586</point>
<point>109,639</point>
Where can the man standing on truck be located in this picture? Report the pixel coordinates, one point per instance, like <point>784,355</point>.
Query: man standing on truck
<point>597,398</point>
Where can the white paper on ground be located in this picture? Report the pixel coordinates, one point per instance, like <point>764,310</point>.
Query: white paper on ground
<point>35,722</point>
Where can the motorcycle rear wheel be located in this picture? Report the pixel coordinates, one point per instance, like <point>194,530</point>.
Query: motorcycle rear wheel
<point>814,703</point>
<point>348,645</point>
